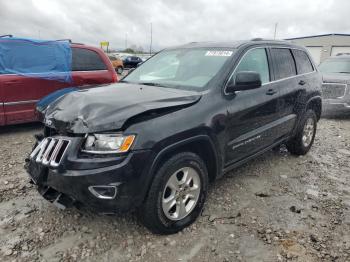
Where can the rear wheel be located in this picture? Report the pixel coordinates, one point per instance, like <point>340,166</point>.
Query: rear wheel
<point>119,70</point>
<point>177,194</point>
<point>305,136</point>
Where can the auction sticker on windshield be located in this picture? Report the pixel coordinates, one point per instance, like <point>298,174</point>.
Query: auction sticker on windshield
<point>218,53</point>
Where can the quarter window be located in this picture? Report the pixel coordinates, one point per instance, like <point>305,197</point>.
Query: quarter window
<point>303,62</point>
<point>284,63</point>
<point>86,60</point>
<point>255,60</point>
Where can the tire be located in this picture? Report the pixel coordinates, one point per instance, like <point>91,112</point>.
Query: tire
<point>119,70</point>
<point>152,213</point>
<point>299,145</point>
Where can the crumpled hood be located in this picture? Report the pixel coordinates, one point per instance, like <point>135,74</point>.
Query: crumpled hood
<point>108,108</point>
<point>336,78</point>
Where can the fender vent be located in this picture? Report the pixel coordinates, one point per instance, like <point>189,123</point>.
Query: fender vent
<point>50,151</point>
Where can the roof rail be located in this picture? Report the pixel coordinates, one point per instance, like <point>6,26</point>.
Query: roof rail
<point>267,39</point>
<point>70,41</point>
<point>6,35</point>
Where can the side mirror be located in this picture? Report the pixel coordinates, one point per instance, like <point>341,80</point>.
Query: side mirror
<point>244,80</point>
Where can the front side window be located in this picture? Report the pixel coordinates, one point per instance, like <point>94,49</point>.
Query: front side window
<point>255,60</point>
<point>335,65</point>
<point>302,61</point>
<point>188,68</point>
<point>86,60</point>
<point>284,63</point>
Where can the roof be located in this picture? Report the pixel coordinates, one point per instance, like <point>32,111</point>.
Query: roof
<point>233,44</point>
<point>313,36</point>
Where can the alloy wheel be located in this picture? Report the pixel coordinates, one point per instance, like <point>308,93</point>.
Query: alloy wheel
<point>181,193</point>
<point>308,132</point>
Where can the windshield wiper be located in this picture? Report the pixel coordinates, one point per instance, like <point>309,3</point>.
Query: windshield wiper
<point>344,72</point>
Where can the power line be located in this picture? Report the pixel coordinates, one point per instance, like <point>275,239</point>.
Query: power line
<point>150,46</point>
<point>274,36</point>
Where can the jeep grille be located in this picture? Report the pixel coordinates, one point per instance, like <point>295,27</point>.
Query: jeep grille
<point>50,151</point>
<point>333,90</point>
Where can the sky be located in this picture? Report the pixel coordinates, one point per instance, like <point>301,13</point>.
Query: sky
<point>128,22</point>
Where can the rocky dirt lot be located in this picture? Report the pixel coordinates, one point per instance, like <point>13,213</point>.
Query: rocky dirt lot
<point>275,208</point>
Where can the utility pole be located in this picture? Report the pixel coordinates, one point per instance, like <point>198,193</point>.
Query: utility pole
<point>274,36</point>
<point>150,47</point>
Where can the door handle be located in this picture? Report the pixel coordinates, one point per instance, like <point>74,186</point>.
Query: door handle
<point>271,92</point>
<point>302,82</point>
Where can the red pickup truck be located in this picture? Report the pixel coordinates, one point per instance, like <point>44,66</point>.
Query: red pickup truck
<point>19,94</point>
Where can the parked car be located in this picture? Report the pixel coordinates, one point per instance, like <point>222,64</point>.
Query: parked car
<point>19,94</point>
<point>336,84</point>
<point>131,61</point>
<point>155,144</point>
<point>117,64</point>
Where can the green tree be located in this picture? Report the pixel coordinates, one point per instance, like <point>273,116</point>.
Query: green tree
<point>129,50</point>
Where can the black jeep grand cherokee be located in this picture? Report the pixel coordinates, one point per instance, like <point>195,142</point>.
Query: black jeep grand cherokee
<point>185,117</point>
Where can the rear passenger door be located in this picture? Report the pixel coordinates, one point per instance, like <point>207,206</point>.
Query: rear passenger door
<point>88,68</point>
<point>304,69</point>
<point>20,95</point>
<point>285,80</point>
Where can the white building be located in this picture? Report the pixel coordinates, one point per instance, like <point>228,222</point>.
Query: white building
<point>323,46</point>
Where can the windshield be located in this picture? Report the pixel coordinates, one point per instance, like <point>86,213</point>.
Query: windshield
<point>335,66</point>
<point>189,69</point>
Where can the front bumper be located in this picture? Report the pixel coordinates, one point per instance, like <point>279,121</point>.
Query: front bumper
<point>73,177</point>
<point>336,106</point>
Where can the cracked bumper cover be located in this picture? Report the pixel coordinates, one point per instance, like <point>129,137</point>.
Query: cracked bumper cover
<point>130,173</point>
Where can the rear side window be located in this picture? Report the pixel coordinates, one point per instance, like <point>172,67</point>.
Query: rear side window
<point>255,60</point>
<point>303,62</point>
<point>284,63</point>
<point>86,60</point>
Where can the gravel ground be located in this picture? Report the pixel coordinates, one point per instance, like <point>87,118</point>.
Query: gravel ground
<point>275,208</point>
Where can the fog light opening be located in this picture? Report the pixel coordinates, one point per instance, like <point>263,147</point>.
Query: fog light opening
<point>103,192</point>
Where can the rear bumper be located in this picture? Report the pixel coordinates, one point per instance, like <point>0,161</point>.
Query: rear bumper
<point>130,177</point>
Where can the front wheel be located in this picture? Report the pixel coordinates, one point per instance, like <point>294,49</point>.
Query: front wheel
<point>177,194</point>
<point>303,140</point>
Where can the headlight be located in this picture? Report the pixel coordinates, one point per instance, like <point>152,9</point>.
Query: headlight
<point>107,143</point>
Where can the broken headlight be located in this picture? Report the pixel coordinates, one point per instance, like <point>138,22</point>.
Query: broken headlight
<point>107,143</point>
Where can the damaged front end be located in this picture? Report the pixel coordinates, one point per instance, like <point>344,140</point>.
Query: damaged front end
<point>86,156</point>
<point>109,108</point>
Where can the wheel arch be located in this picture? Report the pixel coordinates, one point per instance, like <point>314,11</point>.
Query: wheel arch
<point>315,104</point>
<point>201,145</point>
